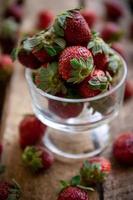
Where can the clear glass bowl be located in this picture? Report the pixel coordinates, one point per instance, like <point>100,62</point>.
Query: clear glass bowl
<point>78,128</point>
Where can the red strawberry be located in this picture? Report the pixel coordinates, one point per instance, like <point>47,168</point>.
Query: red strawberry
<point>90,16</point>
<point>75,64</point>
<point>65,110</point>
<point>45,19</point>
<point>15,11</point>
<point>42,56</point>
<point>94,84</point>
<point>37,158</point>
<point>9,190</point>
<point>119,48</point>
<point>128,90</point>
<point>111,32</point>
<point>73,27</point>
<point>123,148</point>
<point>100,61</point>
<point>95,170</point>
<point>100,51</point>
<point>6,67</point>
<point>114,9</point>
<point>73,193</point>
<point>28,59</point>
<point>31,130</point>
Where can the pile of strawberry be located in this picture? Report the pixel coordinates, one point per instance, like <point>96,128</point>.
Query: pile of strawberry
<point>69,60</point>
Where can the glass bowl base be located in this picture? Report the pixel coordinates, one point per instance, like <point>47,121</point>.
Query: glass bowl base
<point>72,146</point>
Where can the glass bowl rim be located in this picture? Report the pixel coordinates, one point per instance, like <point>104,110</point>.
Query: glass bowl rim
<point>82,100</point>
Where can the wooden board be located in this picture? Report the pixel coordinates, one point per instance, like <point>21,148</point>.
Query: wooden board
<point>119,185</point>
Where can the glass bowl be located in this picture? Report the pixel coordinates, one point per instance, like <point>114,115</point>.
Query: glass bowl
<point>77,128</point>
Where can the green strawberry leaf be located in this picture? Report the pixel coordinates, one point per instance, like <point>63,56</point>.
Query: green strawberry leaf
<point>60,42</point>
<point>30,43</point>
<point>114,63</point>
<point>97,45</point>
<point>49,79</point>
<point>80,69</point>
<point>76,180</point>
<point>50,50</point>
<point>64,184</point>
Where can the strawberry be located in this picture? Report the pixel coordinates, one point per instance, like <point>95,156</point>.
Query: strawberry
<point>8,35</point>
<point>73,193</point>
<point>94,84</point>
<point>75,64</point>
<point>6,67</point>
<point>111,32</point>
<point>31,130</point>
<point>65,110</point>
<point>14,11</point>
<point>100,61</point>
<point>42,56</point>
<point>114,9</point>
<point>47,79</point>
<point>37,158</point>
<point>39,49</point>
<point>28,59</point>
<point>95,170</point>
<point>118,47</point>
<point>123,148</point>
<point>128,90</point>
<point>72,26</point>
<point>100,51</point>
<point>45,19</point>
<point>90,16</point>
<point>9,190</point>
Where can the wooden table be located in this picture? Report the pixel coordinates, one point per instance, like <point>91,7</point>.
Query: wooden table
<point>119,185</point>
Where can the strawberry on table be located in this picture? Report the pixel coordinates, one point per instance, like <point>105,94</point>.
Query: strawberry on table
<point>128,90</point>
<point>73,193</point>
<point>14,11</point>
<point>114,9</point>
<point>95,170</point>
<point>72,26</point>
<point>74,190</point>
<point>94,84</point>
<point>9,33</point>
<point>111,32</point>
<point>123,148</point>
<point>75,64</point>
<point>9,190</point>
<point>37,158</point>
<point>45,19</point>
<point>31,130</point>
<point>90,16</point>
